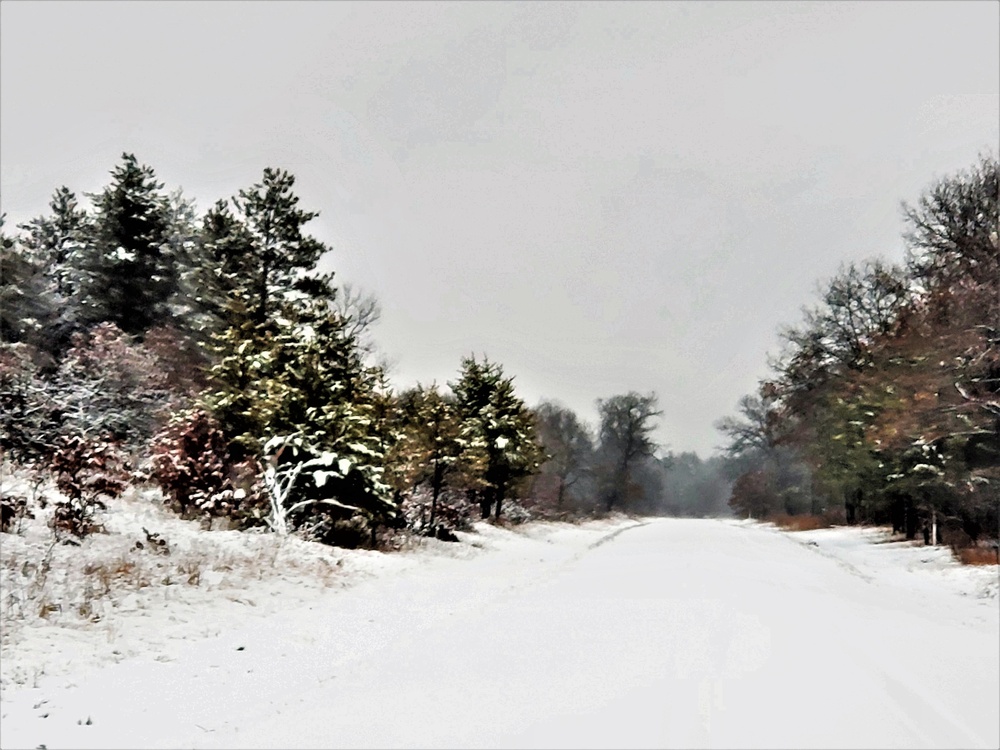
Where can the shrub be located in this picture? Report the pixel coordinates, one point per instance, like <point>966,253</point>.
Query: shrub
<point>191,464</point>
<point>109,384</point>
<point>86,471</point>
<point>13,508</point>
<point>30,416</point>
<point>349,533</point>
<point>516,513</point>
<point>454,513</point>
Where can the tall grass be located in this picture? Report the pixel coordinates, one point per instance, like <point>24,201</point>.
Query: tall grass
<point>978,555</point>
<point>801,523</point>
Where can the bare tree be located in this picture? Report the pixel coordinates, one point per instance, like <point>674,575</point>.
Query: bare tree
<point>754,430</point>
<point>953,228</point>
<point>568,445</point>
<point>360,311</point>
<point>625,440</point>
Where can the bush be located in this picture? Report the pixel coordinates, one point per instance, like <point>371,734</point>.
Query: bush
<point>454,513</point>
<point>515,513</point>
<point>350,533</point>
<point>13,508</point>
<point>191,465</point>
<point>30,417</point>
<point>108,384</point>
<point>86,471</point>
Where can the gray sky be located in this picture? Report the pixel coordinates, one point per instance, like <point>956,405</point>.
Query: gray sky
<point>601,197</point>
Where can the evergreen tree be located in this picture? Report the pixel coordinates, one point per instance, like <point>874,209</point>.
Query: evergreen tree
<point>296,394</point>
<point>194,266</point>
<point>262,248</point>
<point>43,275</point>
<point>498,432</point>
<point>25,305</point>
<point>56,242</point>
<point>430,448</point>
<point>131,272</point>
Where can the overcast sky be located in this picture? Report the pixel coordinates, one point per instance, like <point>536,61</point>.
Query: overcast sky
<point>602,197</point>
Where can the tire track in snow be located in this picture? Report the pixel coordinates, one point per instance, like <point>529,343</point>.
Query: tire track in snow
<point>608,537</point>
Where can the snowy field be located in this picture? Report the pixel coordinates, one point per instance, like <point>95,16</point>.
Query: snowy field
<point>618,633</point>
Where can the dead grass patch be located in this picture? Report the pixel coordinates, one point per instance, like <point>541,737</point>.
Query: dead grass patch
<point>977,556</point>
<point>801,523</point>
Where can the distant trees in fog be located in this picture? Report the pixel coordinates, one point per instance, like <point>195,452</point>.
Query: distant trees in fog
<point>620,466</point>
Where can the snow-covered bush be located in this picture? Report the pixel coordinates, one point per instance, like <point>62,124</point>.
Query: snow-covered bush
<point>331,497</point>
<point>86,472</point>
<point>108,384</point>
<point>191,464</point>
<point>29,411</point>
<point>516,513</point>
<point>454,512</point>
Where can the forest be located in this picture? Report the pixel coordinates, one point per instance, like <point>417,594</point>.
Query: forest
<point>884,404</point>
<point>146,343</point>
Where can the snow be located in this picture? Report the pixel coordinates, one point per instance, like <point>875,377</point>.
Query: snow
<point>614,633</point>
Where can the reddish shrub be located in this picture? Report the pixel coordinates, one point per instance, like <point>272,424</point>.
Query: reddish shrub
<point>109,384</point>
<point>86,471</point>
<point>192,466</point>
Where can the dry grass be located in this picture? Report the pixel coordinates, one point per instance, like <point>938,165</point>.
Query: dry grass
<point>977,556</point>
<point>801,523</point>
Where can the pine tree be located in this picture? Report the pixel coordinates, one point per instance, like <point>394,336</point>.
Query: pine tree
<point>44,267</point>
<point>193,263</point>
<point>131,270</point>
<point>56,242</point>
<point>263,249</point>
<point>430,447</point>
<point>296,394</point>
<point>25,306</point>
<point>498,431</point>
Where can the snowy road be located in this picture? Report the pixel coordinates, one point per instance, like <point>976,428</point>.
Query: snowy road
<point>676,633</point>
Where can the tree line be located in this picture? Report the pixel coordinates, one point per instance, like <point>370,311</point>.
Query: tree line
<point>144,342</point>
<point>884,405</point>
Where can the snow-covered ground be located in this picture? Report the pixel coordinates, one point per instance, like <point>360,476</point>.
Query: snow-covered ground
<point>618,633</point>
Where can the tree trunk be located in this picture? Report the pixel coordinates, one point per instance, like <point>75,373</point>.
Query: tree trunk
<point>501,491</point>
<point>261,315</point>
<point>910,519</point>
<point>620,482</point>
<point>436,492</point>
